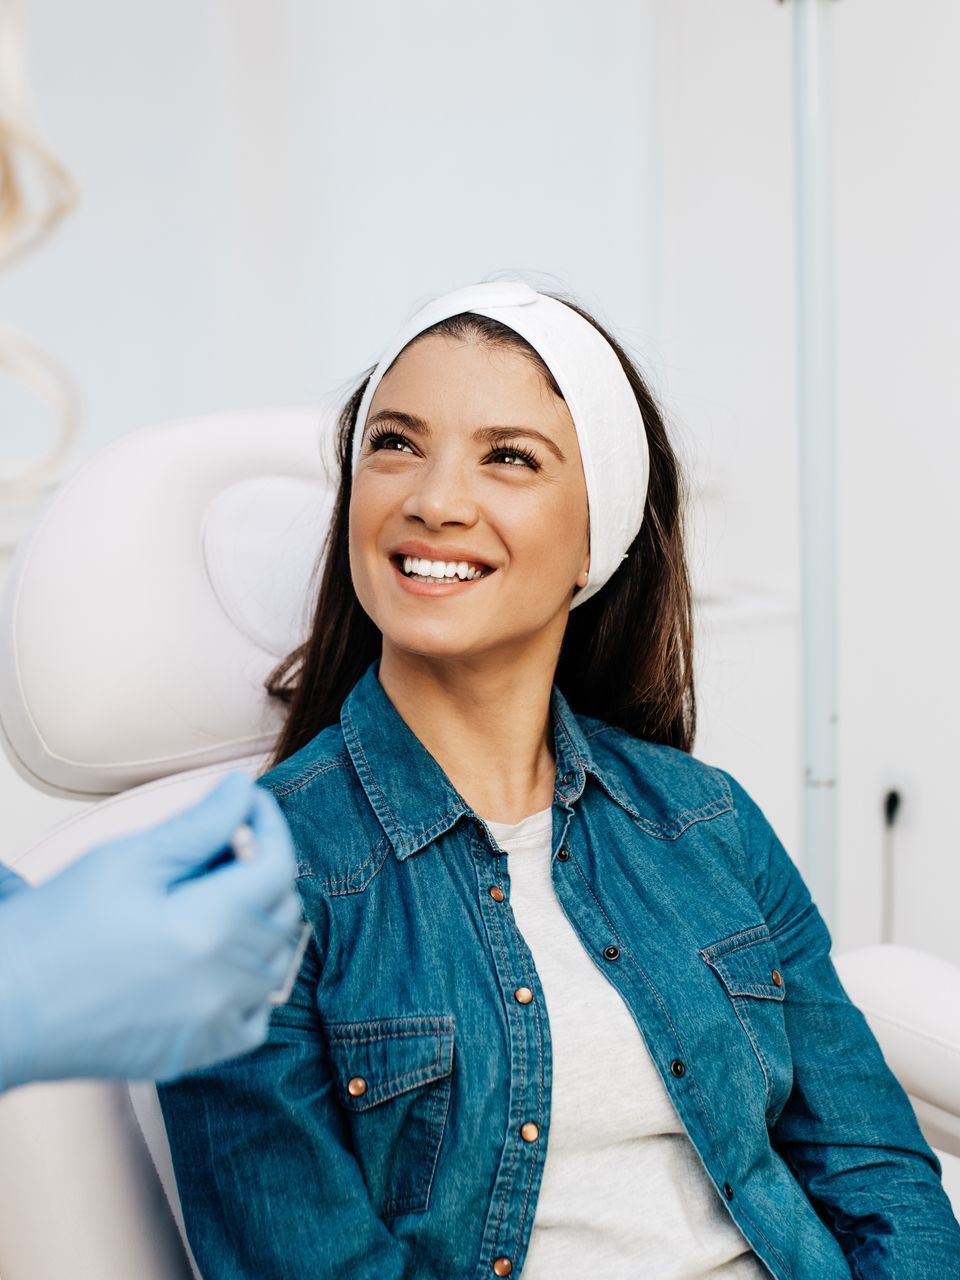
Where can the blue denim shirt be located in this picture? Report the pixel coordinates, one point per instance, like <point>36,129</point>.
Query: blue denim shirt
<point>377,1134</point>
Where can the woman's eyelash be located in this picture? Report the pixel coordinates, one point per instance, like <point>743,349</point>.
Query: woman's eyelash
<point>520,452</point>
<point>379,435</point>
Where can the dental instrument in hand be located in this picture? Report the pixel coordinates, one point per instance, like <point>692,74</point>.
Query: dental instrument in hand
<point>244,846</point>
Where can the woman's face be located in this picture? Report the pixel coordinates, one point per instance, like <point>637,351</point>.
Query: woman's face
<point>467,455</point>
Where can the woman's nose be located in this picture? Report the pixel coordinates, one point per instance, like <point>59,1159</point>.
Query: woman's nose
<point>441,492</point>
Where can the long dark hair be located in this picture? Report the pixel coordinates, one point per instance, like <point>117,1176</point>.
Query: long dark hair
<point>627,652</point>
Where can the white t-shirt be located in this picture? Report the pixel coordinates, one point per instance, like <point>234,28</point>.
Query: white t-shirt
<point>624,1192</point>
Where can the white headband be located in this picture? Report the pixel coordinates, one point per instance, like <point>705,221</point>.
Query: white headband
<point>610,430</point>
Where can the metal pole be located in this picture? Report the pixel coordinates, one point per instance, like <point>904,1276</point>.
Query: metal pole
<point>817,447</point>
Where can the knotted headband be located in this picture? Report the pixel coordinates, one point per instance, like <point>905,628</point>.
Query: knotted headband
<point>604,409</point>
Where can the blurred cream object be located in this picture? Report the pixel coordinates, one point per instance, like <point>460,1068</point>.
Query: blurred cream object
<point>28,168</point>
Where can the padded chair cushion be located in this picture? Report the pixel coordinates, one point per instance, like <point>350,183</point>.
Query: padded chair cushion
<point>911,1000</point>
<point>154,595</point>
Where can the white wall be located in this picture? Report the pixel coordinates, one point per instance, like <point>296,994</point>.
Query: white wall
<point>726,341</point>
<point>898,208</point>
<point>269,189</point>
<point>728,333</point>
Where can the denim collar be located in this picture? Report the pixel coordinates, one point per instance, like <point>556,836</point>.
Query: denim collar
<point>411,795</point>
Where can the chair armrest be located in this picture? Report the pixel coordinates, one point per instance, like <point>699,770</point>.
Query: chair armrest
<point>912,1002</point>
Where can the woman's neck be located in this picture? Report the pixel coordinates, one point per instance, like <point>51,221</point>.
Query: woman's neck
<point>485,722</point>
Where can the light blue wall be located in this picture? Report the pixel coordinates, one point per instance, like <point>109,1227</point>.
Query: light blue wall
<point>268,189</point>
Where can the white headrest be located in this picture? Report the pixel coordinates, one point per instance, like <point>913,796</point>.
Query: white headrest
<point>160,586</point>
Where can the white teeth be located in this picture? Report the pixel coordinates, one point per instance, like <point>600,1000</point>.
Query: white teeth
<point>440,570</point>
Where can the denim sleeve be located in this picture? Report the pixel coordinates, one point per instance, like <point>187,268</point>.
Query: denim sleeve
<point>267,1180</point>
<point>847,1131</point>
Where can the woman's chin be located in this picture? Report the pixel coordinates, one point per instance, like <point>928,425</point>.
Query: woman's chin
<point>432,642</point>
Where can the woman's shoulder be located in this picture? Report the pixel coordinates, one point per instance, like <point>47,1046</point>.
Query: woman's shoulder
<point>333,827</point>
<point>669,789</point>
<point>324,756</point>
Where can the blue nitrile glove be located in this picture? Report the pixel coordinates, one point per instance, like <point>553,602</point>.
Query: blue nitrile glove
<point>132,963</point>
<point>10,882</point>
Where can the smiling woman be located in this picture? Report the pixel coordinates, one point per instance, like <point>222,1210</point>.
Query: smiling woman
<point>569,1006</point>
<point>523,516</point>
<point>461,446</point>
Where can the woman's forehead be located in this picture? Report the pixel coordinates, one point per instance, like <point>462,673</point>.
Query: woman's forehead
<point>450,377</point>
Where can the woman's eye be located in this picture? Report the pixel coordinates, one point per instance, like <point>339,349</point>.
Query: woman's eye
<point>520,457</point>
<point>525,458</point>
<point>378,441</point>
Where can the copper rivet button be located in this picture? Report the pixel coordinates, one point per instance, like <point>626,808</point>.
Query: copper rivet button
<point>502,1266</point>
<point>777,978</point>
<point>530,1132</point>
<point>611,952</point>
<point>523,995</point>
<point>357,1087</point>
<point>563,853</point>
<point>677,1067</point>
<point>496,893</point>
<point>728,1190</point>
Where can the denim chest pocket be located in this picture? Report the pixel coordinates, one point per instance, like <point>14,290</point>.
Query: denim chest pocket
<point>748,967</point>
<point>393,1078</point>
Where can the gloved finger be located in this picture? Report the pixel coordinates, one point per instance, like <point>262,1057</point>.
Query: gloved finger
<point>248,934</point>
<point>296,938</point>
<point>255,1027</point>
<point>278,968</point>
<point>287,915</point>
<point>266,938</point>
<point>189,840</point>
<point>276,960</point>
<point>273,833</point>
<point>11,882</point>
<point>266,879</point>
<point>242,1028</point>
<point>233,1033</point>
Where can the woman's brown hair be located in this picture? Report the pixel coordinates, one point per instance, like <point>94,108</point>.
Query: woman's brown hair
<point>627,652</point>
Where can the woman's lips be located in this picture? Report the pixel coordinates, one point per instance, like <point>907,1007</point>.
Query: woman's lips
<point>437,588</point>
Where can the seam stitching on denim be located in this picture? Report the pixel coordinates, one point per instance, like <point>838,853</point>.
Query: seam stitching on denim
<point>349,879</point>
<point>312,771</point>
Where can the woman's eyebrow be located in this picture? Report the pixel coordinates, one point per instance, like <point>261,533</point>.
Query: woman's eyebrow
<point>421,426</point>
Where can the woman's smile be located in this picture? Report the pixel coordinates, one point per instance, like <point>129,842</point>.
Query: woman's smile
<point>430,585</point>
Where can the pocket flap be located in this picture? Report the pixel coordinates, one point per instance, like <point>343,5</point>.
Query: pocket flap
<point>385,1057</point>
<point>747,963</point>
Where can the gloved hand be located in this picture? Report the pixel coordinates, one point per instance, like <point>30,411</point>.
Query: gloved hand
<point>138,961</point>
<point>10,882</point>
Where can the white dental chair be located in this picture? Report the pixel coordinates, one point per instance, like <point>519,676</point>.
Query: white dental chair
<point>139,621</point>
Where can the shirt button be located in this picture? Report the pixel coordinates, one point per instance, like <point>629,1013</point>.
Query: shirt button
<point>777,978</point>
<point>677,1067</point>
<point>496,893</point>
<point>357,1087</point>
<point>728,1190</point>
<point>563,853</point>
<point>611,953</point>
<point>502,1266</point>
<point>523,995</point>
<point>530,1132</point>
